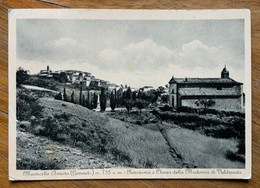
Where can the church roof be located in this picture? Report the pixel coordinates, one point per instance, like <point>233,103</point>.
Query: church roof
<point>204,80</point>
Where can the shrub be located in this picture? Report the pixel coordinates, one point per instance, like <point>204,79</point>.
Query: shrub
<point>229,127</point>
<point>21,76</point>
<point>62,137</point>
<point>27,105</point>
<point>234,156</point>
<point>51,128</point>
<point>140,104</point>
<point>58,96</point>
<point>241,145</point>
<point>221,113</point>
<point>128,103</point>
<point>48,83</point>
<point>37,164</point>
<point>165,108</point>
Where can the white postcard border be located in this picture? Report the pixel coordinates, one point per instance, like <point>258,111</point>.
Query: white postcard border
<point>126,173</point>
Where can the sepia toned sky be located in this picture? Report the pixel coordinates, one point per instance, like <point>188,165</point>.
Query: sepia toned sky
<point>136,53</point>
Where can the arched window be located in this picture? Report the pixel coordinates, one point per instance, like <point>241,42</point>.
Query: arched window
<point>172,91</point>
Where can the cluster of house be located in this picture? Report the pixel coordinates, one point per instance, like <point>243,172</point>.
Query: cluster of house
<point>76,76</point>
<point>86,79</point>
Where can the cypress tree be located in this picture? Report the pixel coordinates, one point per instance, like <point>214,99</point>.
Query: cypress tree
<point>128,103</point>
<point>103,100</point>
<point>65,98</point>
<point>128,93</point>
<point>87,101</point>
<point>80,96</point>
<point>95,100</point>
<point>112,101</point>
<point>83,101</point>
<point>72,97</point>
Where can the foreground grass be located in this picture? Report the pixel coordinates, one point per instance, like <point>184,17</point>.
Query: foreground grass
<point>142,147</point>
<point>76,126</point>
<point>202,151</point>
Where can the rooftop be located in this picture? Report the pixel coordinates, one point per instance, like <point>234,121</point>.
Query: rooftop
<point>204,80</point>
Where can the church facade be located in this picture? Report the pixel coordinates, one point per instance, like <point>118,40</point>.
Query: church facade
<point>224,92</point>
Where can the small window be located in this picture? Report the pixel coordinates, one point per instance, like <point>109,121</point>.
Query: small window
<point>219,88</point>
<point>172,91</point>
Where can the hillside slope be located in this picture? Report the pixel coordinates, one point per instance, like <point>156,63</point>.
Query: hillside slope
<point>94,132</point>
<point>108,142</point>
<point>37,152</point>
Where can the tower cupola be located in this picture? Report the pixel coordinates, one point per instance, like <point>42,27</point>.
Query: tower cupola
<point>225,73</point>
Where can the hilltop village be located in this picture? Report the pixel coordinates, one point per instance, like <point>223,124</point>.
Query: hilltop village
<point>222,93</point>
<point>86,79</point>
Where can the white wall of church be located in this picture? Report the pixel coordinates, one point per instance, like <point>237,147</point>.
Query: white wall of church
<point>172,95</point>
<point>229,104</point>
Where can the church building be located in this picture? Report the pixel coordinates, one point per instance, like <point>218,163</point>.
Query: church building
<point>226,93</point>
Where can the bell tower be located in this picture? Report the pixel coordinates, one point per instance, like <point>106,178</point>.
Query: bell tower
<point>225,73</point>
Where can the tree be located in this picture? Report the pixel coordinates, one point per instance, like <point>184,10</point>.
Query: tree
<point>127,100</point>
<point>80,96</point>
<point>112,101</point>
<point>87,100</point>
<point>119,97</point>
<point>83,101</point>
<point>63,78</point>
<point>165,98</point>
<point>140,104</point>
<point>95,100</point>
<point>151,96</point>
<point>72,97</point>
<point>134,95</point>
<point>65,97</point>
<point>21,76</point>
<point>205,103</point>
<point>140,94</point>
<point>103,100</point>
<point>128,94</point>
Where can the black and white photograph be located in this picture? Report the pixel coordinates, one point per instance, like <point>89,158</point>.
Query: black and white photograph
<point>112,94</point>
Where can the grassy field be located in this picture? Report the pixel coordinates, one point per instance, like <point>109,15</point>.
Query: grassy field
<point>201,150</point>
<point>129,142</point>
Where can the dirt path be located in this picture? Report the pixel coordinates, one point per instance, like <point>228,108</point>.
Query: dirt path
<point>174,153</point>
<point>30,146</point>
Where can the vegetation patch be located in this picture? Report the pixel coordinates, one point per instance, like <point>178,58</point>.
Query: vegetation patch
<point>204,151</point>
<point>27,104</point>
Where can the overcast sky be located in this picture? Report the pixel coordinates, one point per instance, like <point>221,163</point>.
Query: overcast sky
<point>135,53</point>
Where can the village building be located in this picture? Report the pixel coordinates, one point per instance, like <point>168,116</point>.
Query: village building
<point>95,83</point>
<point>226,93</point>
<point>103,83</point>
<point>86,81</point>
<point>147,88</point>
<point>46,73</point>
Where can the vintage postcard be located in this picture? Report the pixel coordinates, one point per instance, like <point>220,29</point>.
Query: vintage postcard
<point>129,94</point>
